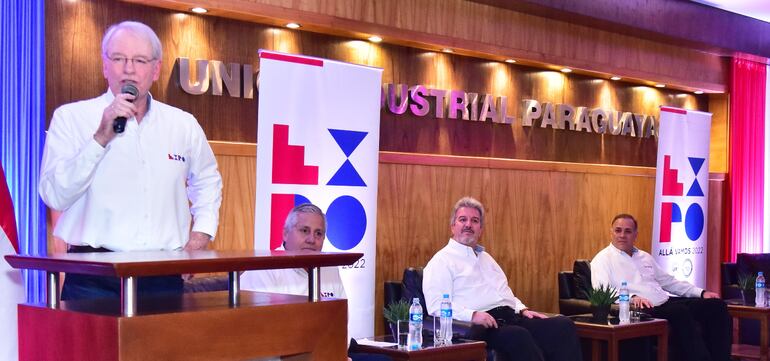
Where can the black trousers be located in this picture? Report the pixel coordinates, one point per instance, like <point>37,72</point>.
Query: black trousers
<point>699,329</point>
<point>79,286</point>
<point>518,338</point>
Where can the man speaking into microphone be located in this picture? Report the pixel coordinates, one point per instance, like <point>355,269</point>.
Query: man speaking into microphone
<point>133,186</point>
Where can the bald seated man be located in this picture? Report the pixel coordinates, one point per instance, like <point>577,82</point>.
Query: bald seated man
<point>700,326</point>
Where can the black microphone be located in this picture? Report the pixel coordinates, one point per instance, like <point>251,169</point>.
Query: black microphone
<point>119,126</point>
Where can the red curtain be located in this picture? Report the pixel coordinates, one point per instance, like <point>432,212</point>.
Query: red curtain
<point>746,163</point>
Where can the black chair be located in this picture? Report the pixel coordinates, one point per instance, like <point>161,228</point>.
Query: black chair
<point>730,289</point>
<point>409,288</point>
<point>745,264</point>
<point>573,290</point>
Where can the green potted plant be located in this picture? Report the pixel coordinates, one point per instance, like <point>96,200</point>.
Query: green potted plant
<point>601,299</point>
<point>394,312</point>
<point>746,283</point>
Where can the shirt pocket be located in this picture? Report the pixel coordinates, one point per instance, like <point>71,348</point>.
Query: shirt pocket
<point>648,272</point>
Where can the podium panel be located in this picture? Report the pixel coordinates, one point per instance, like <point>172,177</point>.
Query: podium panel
<point>200,326</point>
<point>232,325</point>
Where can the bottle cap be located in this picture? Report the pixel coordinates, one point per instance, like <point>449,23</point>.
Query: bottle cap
<point>624,283</point>
<point>415,300</point>
<point>446,295</point>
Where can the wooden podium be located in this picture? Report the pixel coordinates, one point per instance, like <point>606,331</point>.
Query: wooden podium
<point>232,325</point>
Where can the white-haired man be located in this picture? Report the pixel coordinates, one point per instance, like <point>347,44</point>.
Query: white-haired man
<point>135,190</point>
<point>304,229</point>
<point>480,294</point>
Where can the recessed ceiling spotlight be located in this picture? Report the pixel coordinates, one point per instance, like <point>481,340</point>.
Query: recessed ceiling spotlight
<point>660,85</point>
<point>616,78</point>
<point>375,39</point>
<point>698,92</point>
<point>199,10</point>
<point>510,61</point>
<point>566,70</point>
<point>447,50</point>
<point>293,26</point>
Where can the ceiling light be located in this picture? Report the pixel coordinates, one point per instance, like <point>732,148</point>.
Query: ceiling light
<point>660,85</point>
<point>566,70</point>
<point>698,92</point>
<point>375,39</point>
<point>447,50</point>
<point>199,10</point>
<point>616,78</point>
<point>510,61</point>
<point>293,26</point>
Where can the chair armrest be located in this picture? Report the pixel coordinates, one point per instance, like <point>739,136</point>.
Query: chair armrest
<point>574,306</point>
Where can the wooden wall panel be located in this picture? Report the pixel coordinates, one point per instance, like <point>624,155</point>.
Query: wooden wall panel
<point>236,215</point>
<point>696,26</point>
<point>483,30</point>
<point>716,224</point>
<point>72,76</point>
<point>719,106</point>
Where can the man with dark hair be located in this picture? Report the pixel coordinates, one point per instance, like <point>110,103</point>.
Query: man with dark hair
<point>480,294</point>
<point>649,286</point>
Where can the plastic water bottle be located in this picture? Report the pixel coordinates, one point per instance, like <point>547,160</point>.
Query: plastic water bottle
<point>446,320</point>
<point>759,300</point>
<point>624,303</point>
<point>414,342</point>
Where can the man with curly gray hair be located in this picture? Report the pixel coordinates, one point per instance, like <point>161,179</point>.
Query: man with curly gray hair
<point>480,294</point>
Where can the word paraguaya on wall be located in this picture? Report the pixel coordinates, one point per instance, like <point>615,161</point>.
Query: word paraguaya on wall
<point>420,100</point>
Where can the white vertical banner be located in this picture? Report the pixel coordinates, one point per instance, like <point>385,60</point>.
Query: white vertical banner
<point>318,142</point>
<point>680,221</point>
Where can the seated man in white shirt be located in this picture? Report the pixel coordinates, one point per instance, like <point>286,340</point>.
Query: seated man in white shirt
<point>304,229</point>
<point>480,294</point>
<point>649,287</point>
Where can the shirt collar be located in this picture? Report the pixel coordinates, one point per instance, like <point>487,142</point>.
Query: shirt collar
<point>459,247</point>
<point>633,251</point>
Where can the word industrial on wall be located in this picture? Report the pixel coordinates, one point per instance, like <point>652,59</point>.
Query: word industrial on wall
<point>419,100</point>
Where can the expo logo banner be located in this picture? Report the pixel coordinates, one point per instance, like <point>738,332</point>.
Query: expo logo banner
<point>318,142</point>
<point>681,194</point>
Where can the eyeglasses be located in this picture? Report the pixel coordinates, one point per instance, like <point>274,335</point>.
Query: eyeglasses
<point>138,62</point>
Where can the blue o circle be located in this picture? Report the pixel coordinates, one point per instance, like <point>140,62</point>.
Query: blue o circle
<point>300,199</point>
<point>346,220</point>
<point>694,221</point>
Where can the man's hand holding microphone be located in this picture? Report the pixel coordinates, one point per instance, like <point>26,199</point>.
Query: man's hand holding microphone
<point>116,115</point>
